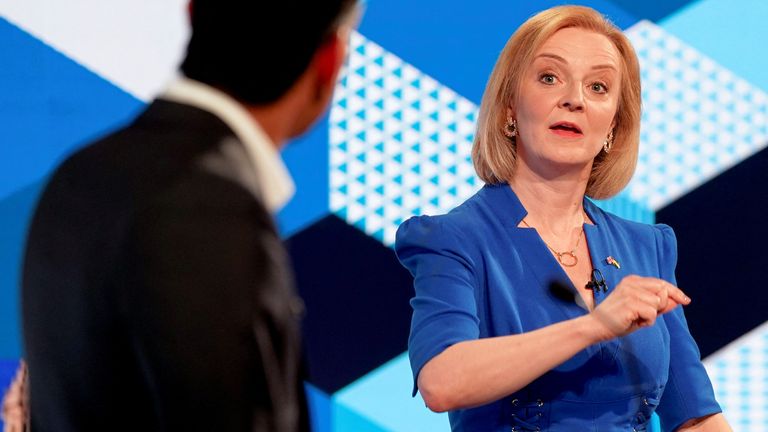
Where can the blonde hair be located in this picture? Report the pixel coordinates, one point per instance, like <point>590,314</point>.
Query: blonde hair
<point>494,154</point>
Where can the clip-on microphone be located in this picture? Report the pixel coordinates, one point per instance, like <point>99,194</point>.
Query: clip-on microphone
<point>597,282</point>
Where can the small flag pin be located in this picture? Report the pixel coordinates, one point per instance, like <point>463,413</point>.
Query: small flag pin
<point>612,261</point>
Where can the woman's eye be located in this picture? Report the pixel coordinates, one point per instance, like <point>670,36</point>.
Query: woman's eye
<point>547,78</point>
<point>599,88</point>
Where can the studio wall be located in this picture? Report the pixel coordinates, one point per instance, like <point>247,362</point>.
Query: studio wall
<point>396,143</point>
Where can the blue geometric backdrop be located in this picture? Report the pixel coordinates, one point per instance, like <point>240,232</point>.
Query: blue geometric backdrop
<point>396,143</point>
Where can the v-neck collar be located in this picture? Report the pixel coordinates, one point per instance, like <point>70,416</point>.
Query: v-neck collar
<point>536,253</point>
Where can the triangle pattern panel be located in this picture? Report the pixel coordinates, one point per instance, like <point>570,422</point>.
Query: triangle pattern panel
<point>739,374</point>
<point>699,119</point>
<point>400,143</point>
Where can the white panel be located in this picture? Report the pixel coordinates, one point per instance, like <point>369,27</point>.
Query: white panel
<point>739,374</point>
<point>136,44</point>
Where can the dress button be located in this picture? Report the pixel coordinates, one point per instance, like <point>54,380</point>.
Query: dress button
<point>539,402</point>
<point>645,401</point>
<point>515,402</point>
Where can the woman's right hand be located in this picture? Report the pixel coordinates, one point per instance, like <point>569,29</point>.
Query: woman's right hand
<point>635,303</point>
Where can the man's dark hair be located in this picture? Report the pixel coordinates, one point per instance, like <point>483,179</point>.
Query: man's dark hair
<point>255,50</point>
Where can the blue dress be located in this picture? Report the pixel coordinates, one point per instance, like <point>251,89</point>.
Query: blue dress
<point>477,275</point>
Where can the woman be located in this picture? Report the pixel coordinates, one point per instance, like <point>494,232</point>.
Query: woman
<point>534,309</point>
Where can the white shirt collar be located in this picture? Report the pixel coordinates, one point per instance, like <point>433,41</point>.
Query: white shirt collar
<point>275,181</point>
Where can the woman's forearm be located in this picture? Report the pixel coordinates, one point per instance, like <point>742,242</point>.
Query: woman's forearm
<point>477,372</point>
<point>712,423</point>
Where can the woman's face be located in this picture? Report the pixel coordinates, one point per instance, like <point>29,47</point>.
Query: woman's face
<point>567,101</point>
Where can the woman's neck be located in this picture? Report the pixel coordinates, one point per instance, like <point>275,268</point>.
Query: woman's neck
<point>553,204</point>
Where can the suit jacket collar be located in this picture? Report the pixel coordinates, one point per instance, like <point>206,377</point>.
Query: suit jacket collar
<point>274,180</point>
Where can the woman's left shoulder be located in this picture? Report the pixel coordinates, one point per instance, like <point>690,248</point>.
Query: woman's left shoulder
<point>639,231</point>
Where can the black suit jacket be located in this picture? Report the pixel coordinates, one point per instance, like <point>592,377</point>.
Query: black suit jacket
<point>156,294</point>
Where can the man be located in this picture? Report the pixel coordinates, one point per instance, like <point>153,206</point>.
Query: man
<point>155,292</point>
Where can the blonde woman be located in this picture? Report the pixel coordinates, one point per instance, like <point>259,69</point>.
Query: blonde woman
<point>534,309</point>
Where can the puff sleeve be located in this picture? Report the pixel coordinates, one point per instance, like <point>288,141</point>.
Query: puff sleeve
<point>688,393</point>
<point>444,305</point>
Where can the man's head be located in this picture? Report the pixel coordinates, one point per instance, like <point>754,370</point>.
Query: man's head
<point>259,52</point>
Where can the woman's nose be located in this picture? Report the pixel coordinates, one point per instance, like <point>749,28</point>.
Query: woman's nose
<point>572,99</point>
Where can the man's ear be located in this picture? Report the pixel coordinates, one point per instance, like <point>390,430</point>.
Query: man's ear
<point>329,57</point>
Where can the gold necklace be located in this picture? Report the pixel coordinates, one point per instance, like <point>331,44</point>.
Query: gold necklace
<point>572,259</point>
